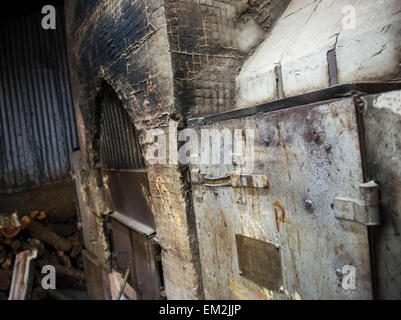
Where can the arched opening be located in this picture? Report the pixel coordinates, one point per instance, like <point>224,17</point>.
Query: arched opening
<point>119,143</point>
<point>126,184</point>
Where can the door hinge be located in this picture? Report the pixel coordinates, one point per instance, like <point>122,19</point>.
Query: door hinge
<point>365,210</point>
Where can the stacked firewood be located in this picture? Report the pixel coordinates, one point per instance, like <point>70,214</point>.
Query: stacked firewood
<point>57,245</point>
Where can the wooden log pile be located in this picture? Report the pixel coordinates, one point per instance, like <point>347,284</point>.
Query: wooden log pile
<point>57,245</point>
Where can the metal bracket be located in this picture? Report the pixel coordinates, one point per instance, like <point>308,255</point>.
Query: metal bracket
<point>256,181</point>
<point>234,180</point>
<point>365,210</point>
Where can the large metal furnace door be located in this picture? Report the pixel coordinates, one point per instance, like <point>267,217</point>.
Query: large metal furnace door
<point>126,182</point>
<point>278,232</point>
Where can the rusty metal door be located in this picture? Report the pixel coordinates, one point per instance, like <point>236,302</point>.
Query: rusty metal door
<point>126,182</point>
<point>277,232</point>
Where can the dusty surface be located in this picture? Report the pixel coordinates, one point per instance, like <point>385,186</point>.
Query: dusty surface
<point>57,200</point>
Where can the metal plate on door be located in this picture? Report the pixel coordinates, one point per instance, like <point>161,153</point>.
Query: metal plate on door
<point>260,262</point>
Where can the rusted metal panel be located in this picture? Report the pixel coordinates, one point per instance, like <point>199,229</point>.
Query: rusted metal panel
<point>146,268</point>
<point>96,277</point>
<point>37,121</point>
<point>123,255</point>
<point>255,257</point>
<point>137,252</point>
<point>310,155</point>
<point>129,191</point>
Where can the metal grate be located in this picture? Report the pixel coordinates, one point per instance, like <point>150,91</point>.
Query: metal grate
<point>119,143</point>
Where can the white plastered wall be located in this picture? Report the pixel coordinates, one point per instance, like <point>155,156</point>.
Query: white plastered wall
<point>303,35</point>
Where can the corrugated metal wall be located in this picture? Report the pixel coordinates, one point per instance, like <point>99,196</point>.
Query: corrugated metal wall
<point>119,143</point>
<point>37,121</point>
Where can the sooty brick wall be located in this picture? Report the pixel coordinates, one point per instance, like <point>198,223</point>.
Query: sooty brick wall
<point>166,60</point>
<point>209,41</point>
<point>124,44</point>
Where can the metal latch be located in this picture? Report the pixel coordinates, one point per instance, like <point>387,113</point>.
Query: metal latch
<point>365,210</point>
<point>256,181</point>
